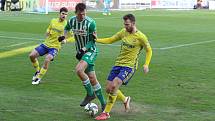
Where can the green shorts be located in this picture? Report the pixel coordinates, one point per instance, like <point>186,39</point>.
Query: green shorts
<point>90,58</point>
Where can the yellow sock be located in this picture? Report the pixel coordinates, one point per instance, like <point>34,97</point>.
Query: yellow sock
<point>36,65</point>
<point>42,73</point>
<point>120,96</point>
<point>110,102</point>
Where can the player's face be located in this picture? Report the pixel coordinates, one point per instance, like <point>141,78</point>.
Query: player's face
<point>129,26</point>
<point>63,15</point>
<point>80,15</point>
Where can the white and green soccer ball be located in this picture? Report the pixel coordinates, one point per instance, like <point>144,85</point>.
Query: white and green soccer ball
<point>91,108</point>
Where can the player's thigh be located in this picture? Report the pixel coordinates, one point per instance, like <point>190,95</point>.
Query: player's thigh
<point>126,74</point>
<point>34,54</point>
<point>112,75</point>
<point>52,53</point>
<point>90,68</point>
<point>81,66</point>
<point>42,49</point>
<point>90,58</point>
<point>113,86</point>
<point>49,57</point>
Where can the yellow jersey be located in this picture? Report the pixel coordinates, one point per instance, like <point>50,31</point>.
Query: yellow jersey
<point>131,46</point>
<point>56,29</point>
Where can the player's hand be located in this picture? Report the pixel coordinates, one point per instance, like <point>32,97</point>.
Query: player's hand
<point>80,53</point>
<point>61,38</point>
<point>145,69</point>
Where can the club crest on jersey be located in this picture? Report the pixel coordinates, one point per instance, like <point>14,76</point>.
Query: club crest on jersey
<point>128,45</point>
<point>57,30</point>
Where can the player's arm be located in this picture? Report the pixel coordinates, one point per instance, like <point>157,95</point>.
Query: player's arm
<point>65,36</point>
<point>107,40</point>
<point>49,29</point>
<point>110,40</point>
<point>68,38</point>
<point>148,49</point>
<point>92,31</point>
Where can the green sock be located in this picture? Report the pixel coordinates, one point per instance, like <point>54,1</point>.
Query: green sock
<point>88,87</point>
<point>98,90</point>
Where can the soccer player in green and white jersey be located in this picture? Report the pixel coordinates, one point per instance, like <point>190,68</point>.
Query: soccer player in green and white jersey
<point>126,63</point>
<point>50,46</point>
<point>83,28</point>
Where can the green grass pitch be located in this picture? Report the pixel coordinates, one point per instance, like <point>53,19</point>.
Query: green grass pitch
<point>179,87</point>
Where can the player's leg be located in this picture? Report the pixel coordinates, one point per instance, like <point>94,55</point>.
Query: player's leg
<point>38,51</point>
<point>108,9</point>
<point>52,52</point>
<point>124,99</point>
<point>46,63</point>
<point>112,87</point>
<point>33,58</point>
<point>111,95</point>
<point>105,9</point>
<point>90,58</point>
<point>125,75</point>
<point>121,76</point>
<point>97,88</point>
<point>80,70</point>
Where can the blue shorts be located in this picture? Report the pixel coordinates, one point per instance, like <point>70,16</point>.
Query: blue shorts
<point>42,50</point>
<point>124,73</point>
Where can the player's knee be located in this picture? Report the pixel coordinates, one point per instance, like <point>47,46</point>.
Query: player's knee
<point>108,90</point>
<point>31,56</point>
<point>113,88</point>
<point>93,81</point>
<point>48,59</point>
<point>79,71</point>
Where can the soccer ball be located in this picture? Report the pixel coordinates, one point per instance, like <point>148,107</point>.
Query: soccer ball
<point>91,108</point>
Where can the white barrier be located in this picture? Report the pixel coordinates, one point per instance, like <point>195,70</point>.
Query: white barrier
<point>211,5</point>
<point>180,4</point>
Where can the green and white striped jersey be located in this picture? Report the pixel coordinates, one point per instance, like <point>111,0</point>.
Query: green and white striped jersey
<point>83,32</point>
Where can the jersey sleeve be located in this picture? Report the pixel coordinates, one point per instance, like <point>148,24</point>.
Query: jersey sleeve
<point>92,27</point>
<point>68,27</point>
<point>91,41</point>
<point>70,38</point>
<point>145,43</point>
<point>49,27</point>
<point>114,38</point>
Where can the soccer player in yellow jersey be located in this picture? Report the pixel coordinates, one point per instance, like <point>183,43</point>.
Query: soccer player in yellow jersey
<point>126,63</point>
<point>50,46</point>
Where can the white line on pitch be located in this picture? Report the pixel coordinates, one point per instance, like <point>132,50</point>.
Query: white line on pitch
<point>184,45</point>
<point>162,48</point>
<point>19,44</point>
<point>13,45</point>
<point>19,38</point>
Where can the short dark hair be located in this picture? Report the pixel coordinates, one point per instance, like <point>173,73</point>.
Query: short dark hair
<point>131,17</point>
<point>63,9</point>
<point>80,7</point>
